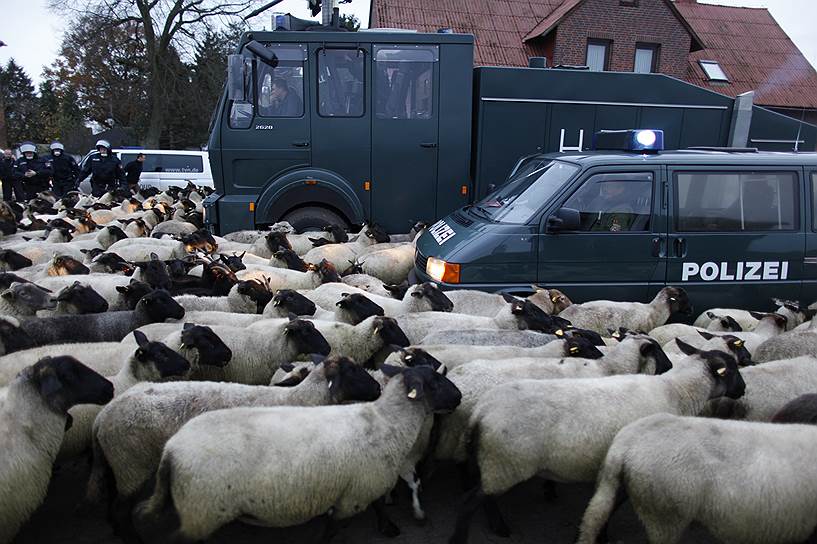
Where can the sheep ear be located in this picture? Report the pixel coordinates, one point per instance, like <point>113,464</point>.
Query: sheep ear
<point>757,315</point>
<point>510,299</point>
<point>141,339</point>
<point>154,257</point>
<point>242,255</point>
<point>8,294</point>
<point>187,326</point>
<point>414,386</point>
<point>710,315</point>
<point>686,348</point>
<point>706,335</point>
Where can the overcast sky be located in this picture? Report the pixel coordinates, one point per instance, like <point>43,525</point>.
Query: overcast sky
<point>33,33</point>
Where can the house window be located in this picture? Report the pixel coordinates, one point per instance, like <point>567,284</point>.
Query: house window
<point>598,55</point>
<point>646,58</point>
<point>713,70</point>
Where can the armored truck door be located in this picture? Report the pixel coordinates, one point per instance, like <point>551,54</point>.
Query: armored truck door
<point>341,124</point>
<point>404,135</point>
<point>736,236</point>
<point>269,134</point>
<point>614,250</point>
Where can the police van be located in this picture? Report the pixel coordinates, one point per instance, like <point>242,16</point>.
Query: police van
<point>164,168</point>
<point>734,227</point>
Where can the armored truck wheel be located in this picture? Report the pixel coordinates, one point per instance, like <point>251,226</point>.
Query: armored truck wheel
<point>313,218</point>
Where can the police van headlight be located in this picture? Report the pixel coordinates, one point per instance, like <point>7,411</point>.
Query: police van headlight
<point>442,271</point>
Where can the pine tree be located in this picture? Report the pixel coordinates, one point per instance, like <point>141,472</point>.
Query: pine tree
<point>20,106</point>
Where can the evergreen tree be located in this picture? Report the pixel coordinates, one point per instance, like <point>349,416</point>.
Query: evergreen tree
<point>20,106</point>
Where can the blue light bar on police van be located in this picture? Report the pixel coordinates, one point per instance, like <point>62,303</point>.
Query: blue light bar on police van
<point>645,140</point>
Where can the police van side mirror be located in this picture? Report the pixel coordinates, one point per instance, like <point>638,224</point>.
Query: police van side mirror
<point>236,78</point>
<point>564,219</point>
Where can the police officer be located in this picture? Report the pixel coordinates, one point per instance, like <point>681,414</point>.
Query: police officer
<point>7,177</point>
<point>615,208</point>
<point>105,169</point>
<point>65,170</point>
<point>33,172</point>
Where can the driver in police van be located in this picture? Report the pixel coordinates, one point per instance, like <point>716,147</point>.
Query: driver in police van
<point>613,209</point>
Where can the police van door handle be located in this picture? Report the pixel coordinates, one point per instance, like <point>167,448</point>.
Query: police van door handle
<point>680,247</point>
<point>657,247</point>
<point>300,143</point>
<point>428,144</point>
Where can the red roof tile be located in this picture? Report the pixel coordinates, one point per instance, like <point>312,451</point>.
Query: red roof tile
<point>754,52</point>
<point>751,48</point>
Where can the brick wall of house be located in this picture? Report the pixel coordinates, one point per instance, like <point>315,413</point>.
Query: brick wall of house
<point>648,21</point>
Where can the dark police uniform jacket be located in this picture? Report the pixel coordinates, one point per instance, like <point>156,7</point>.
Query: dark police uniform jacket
<point>35,183</point>
<point>65,169</point>
<point>104,170</point>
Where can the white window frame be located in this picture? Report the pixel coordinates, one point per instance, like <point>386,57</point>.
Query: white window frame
<point>605,44</point>
<point>653,51</point>
<point>717,73</point>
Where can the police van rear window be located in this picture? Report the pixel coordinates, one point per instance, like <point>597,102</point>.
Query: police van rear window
<point>736,201</point>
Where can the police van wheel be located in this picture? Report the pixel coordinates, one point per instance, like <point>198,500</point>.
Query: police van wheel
<point>313,218</point>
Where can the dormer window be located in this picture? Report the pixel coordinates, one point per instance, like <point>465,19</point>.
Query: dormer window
<point>713,70</point>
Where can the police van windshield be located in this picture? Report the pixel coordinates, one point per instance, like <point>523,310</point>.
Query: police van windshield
<point>530,187</point>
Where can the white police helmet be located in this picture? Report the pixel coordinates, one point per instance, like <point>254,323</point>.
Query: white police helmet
<point>28,147</point>
<point>57,145</point>
<point>103,143</point>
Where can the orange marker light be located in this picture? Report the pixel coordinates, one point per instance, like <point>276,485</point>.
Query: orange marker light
<point>442,271</point>
<point>311,182</point>
<point>464,190</point>
<point>367,185</point>
<point>252,206</point>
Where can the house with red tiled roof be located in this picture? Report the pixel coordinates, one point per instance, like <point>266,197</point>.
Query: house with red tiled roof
<point>730,50</point>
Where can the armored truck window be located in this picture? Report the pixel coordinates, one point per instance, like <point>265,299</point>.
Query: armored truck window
<point>340,82</point>
<point>614,202</point>
<point>404,82</point>
<point>281,89</point>
<point>182,164</point>
<point>736,201</point>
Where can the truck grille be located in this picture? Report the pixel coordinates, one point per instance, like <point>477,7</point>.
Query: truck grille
<point>420,261</point>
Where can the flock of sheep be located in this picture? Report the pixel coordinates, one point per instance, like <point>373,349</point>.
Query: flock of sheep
<point>274,377</point>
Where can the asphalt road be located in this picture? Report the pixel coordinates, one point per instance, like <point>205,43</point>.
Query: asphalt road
<point>531,518</point>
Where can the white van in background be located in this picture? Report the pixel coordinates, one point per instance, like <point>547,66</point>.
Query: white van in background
<point>165,168</point>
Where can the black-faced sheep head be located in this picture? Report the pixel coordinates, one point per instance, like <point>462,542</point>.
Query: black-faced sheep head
<point>723,368</point>
<point>289,301</point>
<point>93,253</point>
<point>591,336</point>
<point>155,273</point>
<point>579,346</point>
<point>376,233</point>
<point>159,305</point>
<point>65,265</point>
<point>327,272</point>
<point>233,262</point>
<point>306,338</point>
<point>389,331</point>
<point>116,234</point>
<point>652,353</point>
<point>30,295</point>
<point>195,218</point>
<point>277,241</point>
<point>41,206</point>
<point>199,240</point>
<point>398,290</point>
<point>180,267</point>
<point>534,318</point>
<point>435,297</point>
<point>320,242</point>
<point>133,292</point>
<point>736,346</point>
<point>423,384</point>
<point>349,381</point>
<point>726,322</point>
<point>358,307</point>
<point>212,351</point>
<point>295,373</point>
<point>218,278</point>
<point>802,410</point>
<point>12,337</point>
<point>778,320</point>
<point>355,267</point>
<point>7,278</point>
<point>418,357</point>
<point>291,260</point>
<point>257,291</point>
<point>338,233</point>
<point>64,382</point>
<point>8,227</point>
<point>82,299</point>
<point>59,223</point>
<point>796,308</point>
<point>157,356</point>
<point>678,300</point>
<point>114,264</point>
<point>11,260</point>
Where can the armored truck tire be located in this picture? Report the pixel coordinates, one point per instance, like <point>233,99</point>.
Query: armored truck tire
<point>313,218</point>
